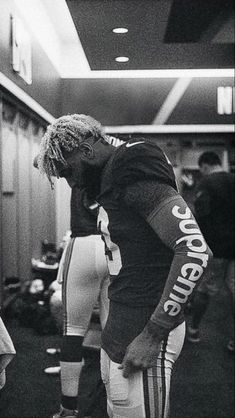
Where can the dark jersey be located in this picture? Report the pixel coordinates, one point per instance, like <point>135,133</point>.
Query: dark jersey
<point>155,250</point>
<point>83,214</point>
<point>214,210</point>
<point>139,262</point>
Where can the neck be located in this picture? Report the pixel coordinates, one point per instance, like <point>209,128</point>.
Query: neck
<point>105,154</point>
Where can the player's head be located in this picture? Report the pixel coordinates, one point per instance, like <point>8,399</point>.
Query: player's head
<point>208,161</point>
<point>69,145</point>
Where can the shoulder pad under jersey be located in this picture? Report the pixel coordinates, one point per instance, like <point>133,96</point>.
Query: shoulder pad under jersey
<point>141,159</point>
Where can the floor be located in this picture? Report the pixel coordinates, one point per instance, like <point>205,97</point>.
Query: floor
<point>202,383</point>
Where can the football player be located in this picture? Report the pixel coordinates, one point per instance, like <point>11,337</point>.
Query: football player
<point>156,256</point>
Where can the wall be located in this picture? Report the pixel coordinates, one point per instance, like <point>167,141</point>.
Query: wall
<point>45,87</point>
<point>27,207</point>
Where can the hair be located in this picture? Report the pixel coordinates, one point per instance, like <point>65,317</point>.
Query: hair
<point>210,158</point>
<point>65,134</point>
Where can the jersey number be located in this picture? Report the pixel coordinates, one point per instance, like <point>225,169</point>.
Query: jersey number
<point>112,250</point>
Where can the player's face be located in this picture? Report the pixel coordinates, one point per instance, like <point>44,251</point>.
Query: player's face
<point>72,171</point>
<point>84,165</point>
<point>80,170</point>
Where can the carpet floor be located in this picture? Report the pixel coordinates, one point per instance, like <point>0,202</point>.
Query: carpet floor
<point>202,382</point>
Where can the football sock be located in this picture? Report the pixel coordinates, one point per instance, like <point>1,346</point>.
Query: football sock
<point>71,366</point>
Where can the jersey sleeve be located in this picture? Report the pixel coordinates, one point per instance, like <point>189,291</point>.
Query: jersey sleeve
<point>171,219</point>
<point>141,160</point>
<point>145,196</point>
<point>176,226</point>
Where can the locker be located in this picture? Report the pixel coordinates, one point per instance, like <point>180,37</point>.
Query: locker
<point>9,192</point>
<point>27,201</point>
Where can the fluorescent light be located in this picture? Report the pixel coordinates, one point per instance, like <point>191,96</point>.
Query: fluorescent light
<point>195,73</point>
<point>154,129</point>
<point>121,59</point>
<point>120,30</point>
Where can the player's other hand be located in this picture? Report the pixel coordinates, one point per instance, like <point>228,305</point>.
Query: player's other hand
<point>142,353</point>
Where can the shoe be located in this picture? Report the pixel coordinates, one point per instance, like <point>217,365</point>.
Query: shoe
<point>52,370</point>
<point>230,346</point>
<point>66,413</point>
<point>192,335</point>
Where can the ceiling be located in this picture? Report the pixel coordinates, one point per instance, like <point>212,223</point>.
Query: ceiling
<point>181,54</point>
<point>162,34</point>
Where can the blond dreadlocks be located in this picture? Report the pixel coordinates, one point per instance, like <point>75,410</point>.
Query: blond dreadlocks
<point>65,134</point>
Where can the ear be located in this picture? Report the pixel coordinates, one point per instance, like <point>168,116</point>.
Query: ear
<point>35,161</point>
<point>87,150</point>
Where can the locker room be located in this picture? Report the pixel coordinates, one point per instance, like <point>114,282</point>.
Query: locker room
<point>146,70</point>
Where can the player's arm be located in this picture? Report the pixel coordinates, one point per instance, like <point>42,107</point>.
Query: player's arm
<point>174,223</point>
<point>169,216</point>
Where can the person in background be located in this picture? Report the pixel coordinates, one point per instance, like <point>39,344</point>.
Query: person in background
<point>214,211</point>
<point>84,276</point>
<point>7,352</point>
<point>156,256</point>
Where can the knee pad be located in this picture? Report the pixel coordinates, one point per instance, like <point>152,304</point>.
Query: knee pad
<point>118,387</point>
<point>124,396</point>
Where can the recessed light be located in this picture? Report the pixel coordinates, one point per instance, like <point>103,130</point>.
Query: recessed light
<point>120,30</point>
<point>121,59</point>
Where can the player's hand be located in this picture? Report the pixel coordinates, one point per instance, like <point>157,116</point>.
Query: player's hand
<point>142,353</point>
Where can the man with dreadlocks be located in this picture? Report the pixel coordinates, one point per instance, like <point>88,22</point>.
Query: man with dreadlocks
<point>156,256</point>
